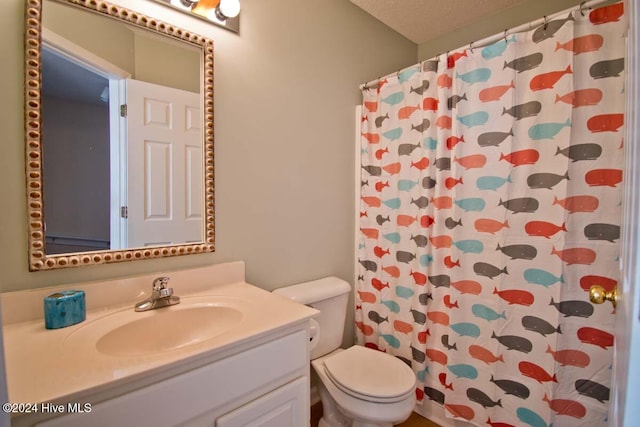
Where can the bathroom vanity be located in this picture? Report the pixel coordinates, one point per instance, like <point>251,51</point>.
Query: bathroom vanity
<point>230,354</point>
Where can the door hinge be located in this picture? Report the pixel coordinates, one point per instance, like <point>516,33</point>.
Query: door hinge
<point>123,110</point>
<point>124,212</point>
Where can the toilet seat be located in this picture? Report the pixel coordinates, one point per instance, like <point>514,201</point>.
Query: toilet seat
<point>370,375</point>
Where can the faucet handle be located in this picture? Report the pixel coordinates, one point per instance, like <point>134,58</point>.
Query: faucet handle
<point>165,292</point>
<point>160,283</point>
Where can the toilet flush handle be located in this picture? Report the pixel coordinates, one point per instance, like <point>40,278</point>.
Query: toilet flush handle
<point>314,333</point>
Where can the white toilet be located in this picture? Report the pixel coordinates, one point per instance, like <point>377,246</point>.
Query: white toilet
<point>359,386</point>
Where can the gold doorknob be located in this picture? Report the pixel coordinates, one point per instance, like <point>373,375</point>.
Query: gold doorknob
<point>598,295</point>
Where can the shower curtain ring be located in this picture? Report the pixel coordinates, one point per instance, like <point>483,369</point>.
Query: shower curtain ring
<point>505,34</point>
<point>545,23</point>
<point>581,6</point>
<point>471,47</point>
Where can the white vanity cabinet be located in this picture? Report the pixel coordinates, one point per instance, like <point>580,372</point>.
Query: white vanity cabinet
<point>253,372</point>
<point>263,386</point>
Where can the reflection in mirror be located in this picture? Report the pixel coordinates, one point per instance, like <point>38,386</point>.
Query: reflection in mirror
<point>119,136</point>
<point>75,125</point>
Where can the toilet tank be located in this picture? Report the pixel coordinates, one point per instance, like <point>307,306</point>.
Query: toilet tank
<point>330,296</point>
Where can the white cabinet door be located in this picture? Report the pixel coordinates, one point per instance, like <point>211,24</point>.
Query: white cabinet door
<point>283,407</point>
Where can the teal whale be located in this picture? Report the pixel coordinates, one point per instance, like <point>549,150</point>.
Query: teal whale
<point>487,313</point>
<point>393,134</point>
<point>474,119</point>
<point>394,98</point>
<point>491,182</point>
<point>475,76</point>
<point>547,130</point>
<point>393,203</point>
<point>541,277</point>
<point>430,143</point>
<point>497,48</point>
<point>392,237</point>
<point>406,184</point>
<point>392,305</point>
<point>421,374</point>
<point>527,416</point>
<point>391,340</point>
<point>466,329</point>
<point>474,204</point>
<point>426,260</point>
<point>469,246</point>
<point>405,75</point>
<point>463,371</point>
<point>404,292</point>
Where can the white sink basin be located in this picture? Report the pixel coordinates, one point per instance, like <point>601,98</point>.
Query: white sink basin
<point>128,333</point>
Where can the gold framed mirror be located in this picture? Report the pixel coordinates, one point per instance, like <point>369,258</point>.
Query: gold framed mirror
<point>132,179</point>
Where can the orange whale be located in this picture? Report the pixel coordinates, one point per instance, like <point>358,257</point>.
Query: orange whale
<point>547,80</point>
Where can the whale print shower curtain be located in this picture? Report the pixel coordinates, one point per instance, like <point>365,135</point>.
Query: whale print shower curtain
<point>490,204</point>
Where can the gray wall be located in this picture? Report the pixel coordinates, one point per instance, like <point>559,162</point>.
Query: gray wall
<point>509,18</point>
<point>285,92</point>
<point>79,205</point>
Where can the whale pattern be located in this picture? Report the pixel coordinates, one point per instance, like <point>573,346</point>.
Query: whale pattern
<point>490,201</point>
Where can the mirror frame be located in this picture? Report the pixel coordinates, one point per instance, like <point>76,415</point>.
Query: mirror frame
<point>38,258</point>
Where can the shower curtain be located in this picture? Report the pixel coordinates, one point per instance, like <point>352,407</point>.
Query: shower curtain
<point>490,203</point>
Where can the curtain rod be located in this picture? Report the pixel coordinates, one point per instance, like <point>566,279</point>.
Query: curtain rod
<point>582,8</point>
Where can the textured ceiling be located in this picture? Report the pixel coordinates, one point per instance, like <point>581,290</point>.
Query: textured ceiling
<point>424,20</point>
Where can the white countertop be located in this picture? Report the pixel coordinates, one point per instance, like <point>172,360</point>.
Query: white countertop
<point>43,367</point>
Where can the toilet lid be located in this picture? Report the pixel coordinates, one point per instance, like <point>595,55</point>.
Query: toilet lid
<point>370,373</point>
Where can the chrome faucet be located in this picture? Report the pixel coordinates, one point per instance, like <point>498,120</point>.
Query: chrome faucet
<point>161,296</point>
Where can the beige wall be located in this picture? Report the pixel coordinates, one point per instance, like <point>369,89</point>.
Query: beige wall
<point>285,91</point>
<point>173,64</point>
<point>111,42</point>
<point>509,18</point>
<point>144,55</point>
